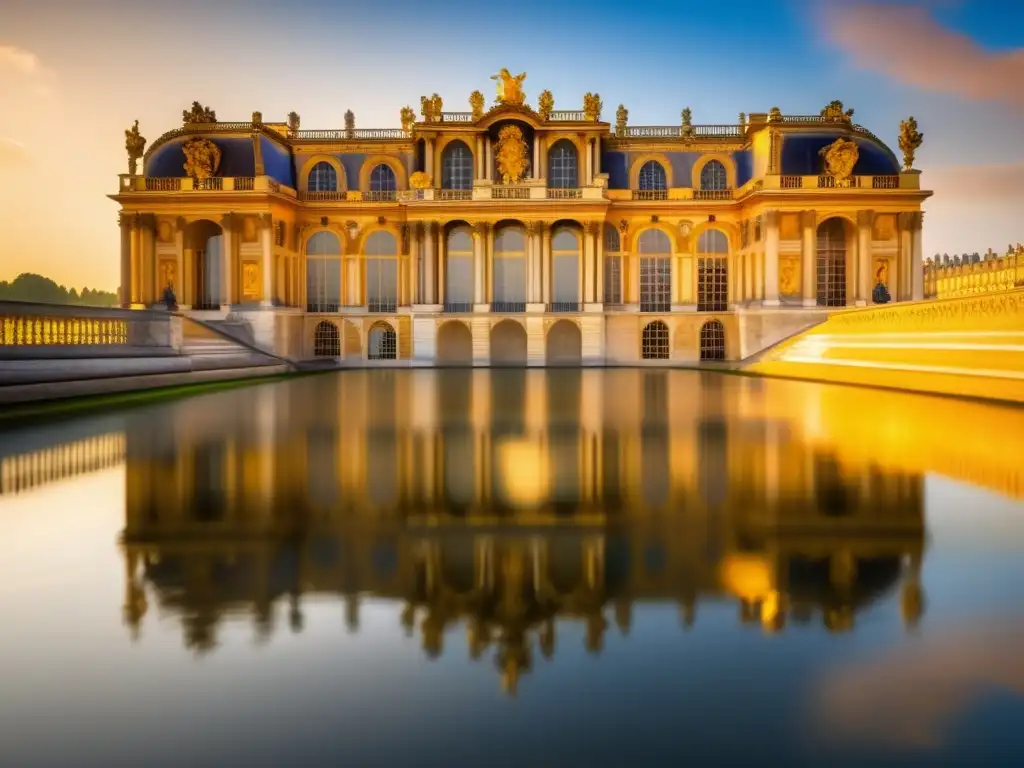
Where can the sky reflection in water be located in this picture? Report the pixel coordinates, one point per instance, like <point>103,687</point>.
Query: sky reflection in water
<point>581,568</point>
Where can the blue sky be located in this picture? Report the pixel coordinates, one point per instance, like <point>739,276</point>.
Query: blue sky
<point>957,66</point>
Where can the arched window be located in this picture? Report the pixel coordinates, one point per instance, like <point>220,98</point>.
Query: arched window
<point>712,271</point>
<point>563,166</point>
<point>383,185</point>
<point>381,253</point>
<point>713,177</point>
<point>832,263</point>
<point>565,270</point>
<point>323,272</point>
<point>457,167</point>
<point>712,341</point>
<point>509,270</point>
<point>458,273</point>
<point>326,340</point>
<point>655,251</point>
<point>654,341</point>
<point>652,177</point>
<point>382,343</point>
<point>322,178</point>
<point>612,266</point>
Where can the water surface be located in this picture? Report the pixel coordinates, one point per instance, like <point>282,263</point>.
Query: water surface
<point>518,568</point>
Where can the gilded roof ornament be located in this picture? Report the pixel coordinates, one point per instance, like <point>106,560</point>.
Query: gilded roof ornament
<point>476,104</point>
<point>545,104</point>
<point>257,118</point>
<point>687,118</point>
<point>510,88</point>
<point>293,124</point>
<point>840,158</point>
<point>202,158</point>
<point>512,154</point>
<point>408,117</point>
<point>420,180</point>
<point>135,145</point>
<point>430,108</point>
<point>775,115</point>
<point>621,119</point>
<point>350,124</point>
<point>198,114</point>
<point>592,106</point>
<point>833,113</point>
<point>910,140</point>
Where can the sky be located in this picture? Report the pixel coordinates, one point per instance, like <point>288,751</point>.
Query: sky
<point>74,74</point>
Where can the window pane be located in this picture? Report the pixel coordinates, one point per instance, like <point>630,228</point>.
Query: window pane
<point>712,176</point>
<point>652,176</point>
<point>457,167</point>
<point>562,166</point>
<point>323,178</point>
<point>382,179</point>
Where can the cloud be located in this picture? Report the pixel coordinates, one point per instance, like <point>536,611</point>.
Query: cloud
<point>978,183</point>
<point>19,60</point>
<point>14,155</point>
<point>907,44</point>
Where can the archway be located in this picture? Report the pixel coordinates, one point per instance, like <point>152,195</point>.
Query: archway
<point>326,340</point>
<point>831,263</point>
<point>508,344</point>
<point>205,240</point>
<point>382,343</point>
<point>564,344</point>
<point>454,344</point>
<point>712,341</point>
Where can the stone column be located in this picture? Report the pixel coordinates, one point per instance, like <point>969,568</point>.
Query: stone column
<point>545,269</point>
<point>227,261</point>
<point>916,258</point>
<point>865,222</point>
<point>478,159</point>
<point>135,277</point>
<point>544,159</point>
<point>808,260</point>
<point>489,262</point>
<point>179,261</point>
<point>429,240</point>
<point>149,290</point>
<point>441,264</point>
<point>124,220</point>
<point>267,259</point>
<point>588,175</point>
<point>589,262</point>
<point>771,259</point>
<point>536,157</point>
<point>479,295</point>
<point>597,155</point>
<point>488,159</point>
<point>531,262</point>
<point>428,160</point>
<point>599,267</point>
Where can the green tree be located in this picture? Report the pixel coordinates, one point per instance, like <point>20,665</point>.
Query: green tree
<point>31,287</point>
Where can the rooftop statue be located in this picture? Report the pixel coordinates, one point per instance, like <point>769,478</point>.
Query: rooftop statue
<point>476,104</point>
<point>545,104</point>
<point>833,113</point>
<point>910,140</point>
<point>202,158</point>
<point>198,114</point>
<point>510,88</point>
<point>135,145</point>
<point>408,118</point>
<point>592,106</point>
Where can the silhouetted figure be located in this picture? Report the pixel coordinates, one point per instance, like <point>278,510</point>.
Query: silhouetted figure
<point>169,299</point>
<point>881,294</point>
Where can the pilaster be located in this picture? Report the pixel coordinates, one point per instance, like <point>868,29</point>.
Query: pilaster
<point>545,263</point>
<point>589,262</point>
<point>135,274</point>
<point>479,234</point>
<point>179,262</point>
<point>227,261</point>
<point>771,259</point>
<point>808,259</point>
<point>429,241</point>
<point>865,223</point>
<point>441,264</point>
<point>124,221</point>
<point>267,259</point>
<point>916,258</point>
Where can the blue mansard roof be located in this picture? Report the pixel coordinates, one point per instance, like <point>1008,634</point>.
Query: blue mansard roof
<point>800,154</point>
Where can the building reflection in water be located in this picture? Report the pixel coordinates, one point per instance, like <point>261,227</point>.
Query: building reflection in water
<point>500,502</point>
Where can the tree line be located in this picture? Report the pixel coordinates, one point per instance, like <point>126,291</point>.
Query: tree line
<point>31,287</point>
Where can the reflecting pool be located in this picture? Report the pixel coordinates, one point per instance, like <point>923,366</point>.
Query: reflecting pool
<point>556,568</point>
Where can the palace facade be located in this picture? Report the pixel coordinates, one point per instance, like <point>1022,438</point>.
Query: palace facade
<point>521,235</point>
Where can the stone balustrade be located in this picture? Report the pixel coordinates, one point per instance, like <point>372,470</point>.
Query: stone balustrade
<point>34,331</point>
<point>901,181</point>
<point>970,274</point>
<point>261,184</point>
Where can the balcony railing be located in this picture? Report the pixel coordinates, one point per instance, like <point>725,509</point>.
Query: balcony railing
<point>163,185</point>
<point>245,183</point>
<point>458,306</point>
<point>334,196</point>
<point>713,194</point>
<point>456,117</point>
<point>454,194</point>
<point>374,134</point>
<point>508,306</point>
<point>380,196</point>
<point>565,306</point>
<point>650,194</point>
<point>568,116</point>
<point>565,194</point>
<point>382,305</point>
<point>510,193</point>
<point>679,131</point>
<point>214,183</point>
<point>824,181</point>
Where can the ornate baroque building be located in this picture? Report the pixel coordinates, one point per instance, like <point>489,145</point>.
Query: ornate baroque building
<point>521,235</point>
